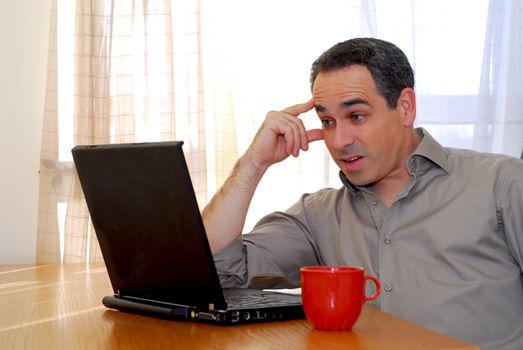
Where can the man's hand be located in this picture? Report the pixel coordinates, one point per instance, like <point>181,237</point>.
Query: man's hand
<point>282,134</point>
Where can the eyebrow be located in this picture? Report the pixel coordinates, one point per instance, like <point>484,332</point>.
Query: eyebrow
<point>344,104</point>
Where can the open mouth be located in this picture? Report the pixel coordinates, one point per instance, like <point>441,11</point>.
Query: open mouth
<point>352,163</point>
<point>352,159</point>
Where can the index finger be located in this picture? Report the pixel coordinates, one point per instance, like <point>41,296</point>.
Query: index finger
<point>300,108</point>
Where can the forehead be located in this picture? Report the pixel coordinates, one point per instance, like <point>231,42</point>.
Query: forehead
<point>352,81</point>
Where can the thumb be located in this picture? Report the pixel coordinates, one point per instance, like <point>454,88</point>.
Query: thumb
<point>314,135</point>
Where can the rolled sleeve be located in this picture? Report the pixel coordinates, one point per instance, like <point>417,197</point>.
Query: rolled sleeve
<point>231,265</point>
<point>272,254</point>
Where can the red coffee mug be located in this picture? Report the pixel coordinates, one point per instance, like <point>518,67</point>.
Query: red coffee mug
<point>334,295</point>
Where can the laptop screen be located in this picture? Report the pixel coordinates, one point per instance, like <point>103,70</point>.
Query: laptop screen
<point>148,223</point>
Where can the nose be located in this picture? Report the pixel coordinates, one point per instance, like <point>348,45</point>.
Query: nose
<point>342,137</point>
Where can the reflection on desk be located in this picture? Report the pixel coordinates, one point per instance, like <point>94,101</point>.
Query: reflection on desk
<point>59,307</point>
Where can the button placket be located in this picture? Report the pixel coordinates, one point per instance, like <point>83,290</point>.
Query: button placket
<point>388,286</point>
<point>376,209</point>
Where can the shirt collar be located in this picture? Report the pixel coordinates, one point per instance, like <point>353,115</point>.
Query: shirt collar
<point>428,148</point>
<point>352,189</point>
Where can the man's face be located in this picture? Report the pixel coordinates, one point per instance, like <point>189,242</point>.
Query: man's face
<point>365,138</point>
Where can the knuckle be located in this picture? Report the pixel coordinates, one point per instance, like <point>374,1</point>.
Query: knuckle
<point>271,114</point>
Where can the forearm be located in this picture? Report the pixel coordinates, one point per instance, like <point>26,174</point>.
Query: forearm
<point>224,216</point>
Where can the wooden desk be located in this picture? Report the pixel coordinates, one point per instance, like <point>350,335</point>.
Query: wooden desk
<point>59,307</point>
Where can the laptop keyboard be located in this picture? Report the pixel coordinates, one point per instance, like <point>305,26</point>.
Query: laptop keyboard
<point>254,298</point>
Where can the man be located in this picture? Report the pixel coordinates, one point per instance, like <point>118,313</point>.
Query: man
<point>441,228</point>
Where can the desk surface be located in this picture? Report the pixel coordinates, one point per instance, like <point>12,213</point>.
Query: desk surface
<point>59,307</point>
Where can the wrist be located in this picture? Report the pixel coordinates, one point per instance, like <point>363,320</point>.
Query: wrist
<point>251,169</point>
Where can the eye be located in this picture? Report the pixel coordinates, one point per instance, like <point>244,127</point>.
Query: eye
<point>327,122</point>
<point>358,117</point>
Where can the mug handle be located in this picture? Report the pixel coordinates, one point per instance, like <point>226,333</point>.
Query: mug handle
<point>378,288</point>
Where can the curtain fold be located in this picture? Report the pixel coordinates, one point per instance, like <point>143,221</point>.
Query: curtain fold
<point>53,174</point>
<point>499,122</point>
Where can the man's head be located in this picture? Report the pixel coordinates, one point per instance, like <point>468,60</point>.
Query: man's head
<point>387,64</point>
<point>363,94</point>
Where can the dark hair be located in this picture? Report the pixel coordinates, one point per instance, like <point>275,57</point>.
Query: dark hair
<point>387,64</point>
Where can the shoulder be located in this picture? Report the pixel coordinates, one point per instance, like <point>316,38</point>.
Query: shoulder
<point>324,197</point>
<point>310,210</point>
<point>497,170</point>
<point>490,162</point>
<point>322,200</point>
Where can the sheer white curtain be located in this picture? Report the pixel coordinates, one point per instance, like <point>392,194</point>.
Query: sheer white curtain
<point>467,55</point>
<point>499,123</point>
<point>207,71</point>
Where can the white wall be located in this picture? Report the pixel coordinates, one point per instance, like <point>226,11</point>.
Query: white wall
<point>24,33</point>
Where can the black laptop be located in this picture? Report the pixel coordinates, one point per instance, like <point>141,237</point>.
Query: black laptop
<point>148,224</point>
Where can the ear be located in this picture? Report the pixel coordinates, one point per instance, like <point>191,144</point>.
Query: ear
<point>407,104</point>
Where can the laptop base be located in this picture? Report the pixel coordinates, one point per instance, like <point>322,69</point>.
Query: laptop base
<point>218,317</point>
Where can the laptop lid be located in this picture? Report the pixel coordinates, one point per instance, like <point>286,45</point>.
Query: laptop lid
<point>148,224</point>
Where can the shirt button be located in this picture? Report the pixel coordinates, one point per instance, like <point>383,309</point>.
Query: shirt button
<point>388,287</point>
<point>412,165</point>
<point>387,240</point>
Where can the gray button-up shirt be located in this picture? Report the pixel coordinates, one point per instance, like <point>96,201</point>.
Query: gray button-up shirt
<point>448,252</point>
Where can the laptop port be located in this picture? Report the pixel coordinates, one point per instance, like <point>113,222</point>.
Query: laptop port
<point>206,316</point>
<point>235,316</point>
<point>261,315</point>
<point>276,315</point>
<point>246,316</point>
